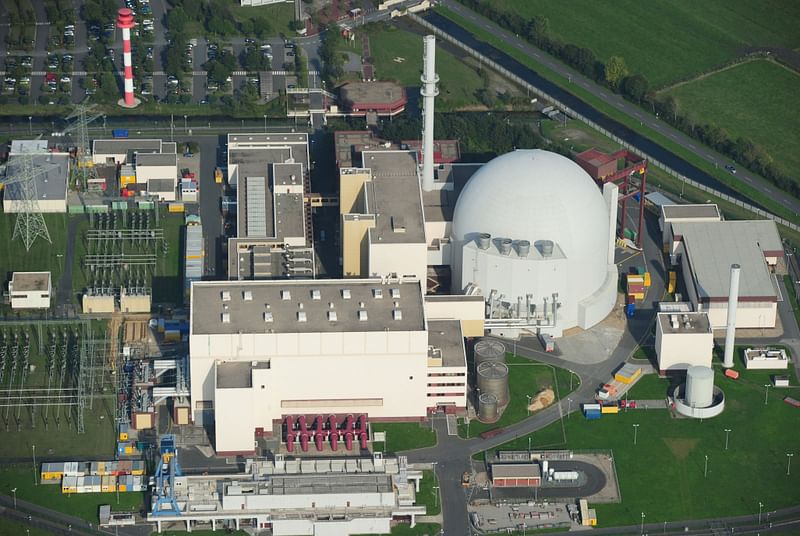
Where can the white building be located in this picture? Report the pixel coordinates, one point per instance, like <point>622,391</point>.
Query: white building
<point>273,236</point>
<point>30,290</point>
<point>300,497</point>
<point>683,340</point>
<point>534,235</point>
<point>705,251</point>
<point>154,162</point>
<point>52,174</point>
<point>321,347</point>
<point>687,214</point>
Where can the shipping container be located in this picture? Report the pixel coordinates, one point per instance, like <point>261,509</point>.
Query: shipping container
<point>647,279</point>
<point>610,409</point>
<point>119,133</point>
<point>69,484</point>
<point>592,415</point>
<point>792,402</point>
<point>730,373</point>
<point>630,309</point>
<point>176,207</point>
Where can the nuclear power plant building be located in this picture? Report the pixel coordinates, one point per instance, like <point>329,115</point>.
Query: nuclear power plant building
<point>265,350</point>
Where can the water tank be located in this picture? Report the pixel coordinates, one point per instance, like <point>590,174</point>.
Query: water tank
<point>489,350</point>
<point>523,248</point>
<point>484,240</point>
<point>699,387</point>
<point>493,379</point>
<point>487,407</point>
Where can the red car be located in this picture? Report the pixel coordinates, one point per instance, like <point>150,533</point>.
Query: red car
<point>627,404</point>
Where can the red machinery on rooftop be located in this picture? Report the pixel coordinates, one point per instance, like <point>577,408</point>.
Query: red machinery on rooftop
<point>631,180</point>
<point>325,430</point>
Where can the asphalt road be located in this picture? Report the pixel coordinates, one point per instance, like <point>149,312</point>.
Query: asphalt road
<point>614,100</point>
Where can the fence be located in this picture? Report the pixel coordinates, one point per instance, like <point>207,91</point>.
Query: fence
<point>572,113</point>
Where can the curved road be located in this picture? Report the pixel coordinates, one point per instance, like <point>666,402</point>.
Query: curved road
<point>614,100</point>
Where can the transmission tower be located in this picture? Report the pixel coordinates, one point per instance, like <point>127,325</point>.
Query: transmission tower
<point>21,175</point>
<point>82,115</point>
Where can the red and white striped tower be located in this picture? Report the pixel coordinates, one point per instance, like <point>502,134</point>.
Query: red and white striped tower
<point>125,23</point>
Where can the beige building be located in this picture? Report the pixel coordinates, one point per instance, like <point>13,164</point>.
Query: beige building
<point>154,163</point>
<point>382,223</point>
<point>30,290</point>
<point>683,340</point>
<point>686,214</point>
<point>705,251</point>
<point>355,346</point>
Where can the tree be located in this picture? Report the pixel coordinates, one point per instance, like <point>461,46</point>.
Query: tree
<point>177,20</point>
<point>301,67</point>
<point>219,72</point>
<point>616,71</point>
<point>262,28</point>
<point>635,87</point>
<point>109,90</point>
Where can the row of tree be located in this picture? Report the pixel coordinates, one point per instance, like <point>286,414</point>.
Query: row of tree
<point>615,75</point>
<point>216,17</point>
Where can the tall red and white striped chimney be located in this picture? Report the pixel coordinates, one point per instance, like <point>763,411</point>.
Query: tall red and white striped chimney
<point>125,23</point>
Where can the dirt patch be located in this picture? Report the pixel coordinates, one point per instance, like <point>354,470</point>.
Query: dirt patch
<point>680,446</point>
<point>542,399</point>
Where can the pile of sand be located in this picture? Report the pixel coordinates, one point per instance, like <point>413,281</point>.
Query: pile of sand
<point>542,399</point>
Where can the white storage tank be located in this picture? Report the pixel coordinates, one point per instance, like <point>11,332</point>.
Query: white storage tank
<point>699,387</point>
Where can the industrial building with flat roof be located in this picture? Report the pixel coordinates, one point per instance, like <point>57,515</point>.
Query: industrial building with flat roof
<point>705,251</point>
<point>385,99</point>
<point>273,231</point>
<point>30,290</point>
<point>298,347</point>
<point>150,166</point>
<point>683,340</point>
<point>51,176</point>
<point>332,496</point>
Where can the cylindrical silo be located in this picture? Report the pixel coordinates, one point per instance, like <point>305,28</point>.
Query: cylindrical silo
<point>489,350</point>
<point>493,379</point>
<point>699,387</point>
<point>487,407</point>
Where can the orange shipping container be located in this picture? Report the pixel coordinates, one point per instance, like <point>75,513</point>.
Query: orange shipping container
<point>732,374</point>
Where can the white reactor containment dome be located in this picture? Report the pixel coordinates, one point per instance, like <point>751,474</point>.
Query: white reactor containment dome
<point>552,232</point>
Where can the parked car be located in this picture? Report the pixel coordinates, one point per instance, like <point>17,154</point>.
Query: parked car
<point>731,168</point>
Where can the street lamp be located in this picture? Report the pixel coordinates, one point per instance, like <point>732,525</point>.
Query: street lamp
<point>529,444</point>
<point>727,431</point>
<point>14,491</point>
<point>30,125</point>
<point>635,429</point>
<point>528,407</point>
<point>705,468</point>
<point>766,393</point>
<point>569,406</point>
<point>265,123</point>
<point>643,516</point>
<point>185,124</point>
<point>789,463</point>
<point>760,506</point>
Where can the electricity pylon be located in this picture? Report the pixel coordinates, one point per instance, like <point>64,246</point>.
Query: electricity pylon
<point>21,176</point>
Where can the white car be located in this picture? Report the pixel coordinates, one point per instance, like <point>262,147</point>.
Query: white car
<point>66,80</point>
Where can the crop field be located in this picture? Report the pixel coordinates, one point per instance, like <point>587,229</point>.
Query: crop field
<point>397,55</point>
<point>668,459</point>
<point>668,41</point>
<point>755,100</point>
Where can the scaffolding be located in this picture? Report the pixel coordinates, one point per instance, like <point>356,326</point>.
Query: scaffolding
<point>71,376</point>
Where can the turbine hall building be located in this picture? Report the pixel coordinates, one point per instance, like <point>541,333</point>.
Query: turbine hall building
<point>318,347</point>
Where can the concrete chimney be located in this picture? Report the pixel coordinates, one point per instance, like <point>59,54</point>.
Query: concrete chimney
<point>428,91</point>
<point>611,197</point>
<point>730,330</point>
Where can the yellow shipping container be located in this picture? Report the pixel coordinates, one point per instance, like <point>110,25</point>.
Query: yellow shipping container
<point>176,207</point>
<point>122,487</point>
<point>123,436</point>
<point>125,180</point>
<point>647,279</point>
<point>637,295</point>
<point>609,409</point>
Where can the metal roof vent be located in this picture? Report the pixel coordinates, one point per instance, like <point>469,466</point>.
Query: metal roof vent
<point>268,317</point>
<point>362,315</point>
<point>316,294</point>
<point>523,248</point>
<point>286,295</point>
<point>346,294</point>
<point>247,295</point>
<point>484,240</point>
<point>395,292</point>
<point>332,316</point>
<point>398,224</point>
<point>377,293</point>
<point>226,296</point>
<point>301,316</point>
<point>397,314</point>
<point>545,247</point>
<point>505,246</point>
<point>226,318</point>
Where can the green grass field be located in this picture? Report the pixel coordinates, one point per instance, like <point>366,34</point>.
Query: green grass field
<point>630,122</point>
<point>649,387</point>
<point>402,436</point>
<point>458,82</point>
<point>525,377</point>
<point>427,495</point>
<point>668,459</point>
<point>667,41</point>
<point>734,100</point>
<point>15,528</point>
<point>83,505</point>
<point>278,15</point>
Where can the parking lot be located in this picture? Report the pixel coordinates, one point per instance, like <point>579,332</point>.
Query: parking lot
<point>78,52</point>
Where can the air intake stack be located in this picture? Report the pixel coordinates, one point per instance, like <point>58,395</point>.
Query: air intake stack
<point>429,91</point>
<point>730,331</point>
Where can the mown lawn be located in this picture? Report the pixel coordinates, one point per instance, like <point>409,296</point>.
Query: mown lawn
<point>83,505</point>
<point>667,41</point>
<point>734,99</point>
<point>402,436</point>
<point>668,459</point>
<point>457,81</point>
